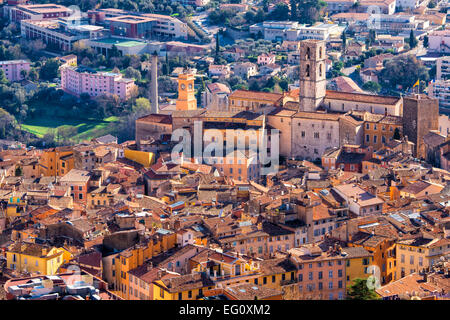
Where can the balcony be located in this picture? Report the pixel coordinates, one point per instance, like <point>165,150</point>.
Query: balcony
<point>288,282</point>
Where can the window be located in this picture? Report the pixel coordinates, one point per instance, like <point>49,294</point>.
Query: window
<point>320,274</point>
<point>310,276</point>
<point>273,279</point>
<point>189,294</point>
<point>300,277</point>
<point>316,135</point>
<point>161,292</point>
<point>320,286</point>
<point>330,285</point>
<point>330,274</point>
<point>411,260</point>
<point>303,134</point>
<point>340,273</point>
<point>402,258</point>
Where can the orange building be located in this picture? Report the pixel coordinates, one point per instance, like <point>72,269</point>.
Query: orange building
<point>186,92</point>
<point>380,129</point>
<point>134,257</point>
<point>56,161</point>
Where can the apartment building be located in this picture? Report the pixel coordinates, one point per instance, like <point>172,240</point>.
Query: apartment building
<point>78,181</point>
<point>440,89</point>
<point>360,202</point>
<point>439,41</point>
<point>147,26</point>
<point>13,69</point>
<point>57,33</point>
<point>39,12</point>
<point>337,6</point>
<point>443,68</point>
<point>56,161</point>
<point>78,80</point>
<point>414,255</point>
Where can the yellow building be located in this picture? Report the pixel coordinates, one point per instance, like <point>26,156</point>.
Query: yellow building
<point>16,206</point>
<point>56,161</point>
<point>245,100</point>
<point>414,255</point>
<point>357,264</point>
<point>186,93</point>
<point>32,257</point>
<point>185,287</point>
<point>380,129</point>
<point>383,251</point>
<point>134,257</point>
<point>141,157</point>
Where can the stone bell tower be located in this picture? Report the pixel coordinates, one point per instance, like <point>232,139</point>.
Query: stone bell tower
<point>312,74</point>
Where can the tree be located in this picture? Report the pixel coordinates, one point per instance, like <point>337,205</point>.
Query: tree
<point>114,52</point>
<point>3,79</point>
<point>371,86</point>
<point>360,291</point>
<point>130,72</point>
<point>403,71</point>
<point>142,105</point>
<point>309,11</point>
<point>18,171</point>
<point>280,13</point>
<point>50,69</point>
<point>425,41</point>
<point>412,40</point>
<point>216,57</point>
<point>293,4</point>
<point>397,135</point>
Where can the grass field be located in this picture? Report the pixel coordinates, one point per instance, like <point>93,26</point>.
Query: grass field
<point>87,128</point>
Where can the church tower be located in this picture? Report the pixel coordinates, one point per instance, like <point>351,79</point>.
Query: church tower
<point>186,93</point>
<point>312,74</point>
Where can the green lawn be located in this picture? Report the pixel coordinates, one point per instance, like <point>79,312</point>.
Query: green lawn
<point>54,117</point>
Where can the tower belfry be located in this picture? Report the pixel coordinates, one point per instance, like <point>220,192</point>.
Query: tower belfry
<point>312,74</point>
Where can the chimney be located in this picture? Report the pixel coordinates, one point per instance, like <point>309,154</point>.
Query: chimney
<point>154,83</point>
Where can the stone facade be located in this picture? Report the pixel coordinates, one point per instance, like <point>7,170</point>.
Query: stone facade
<point>312,74</point>
<point>420,115</point>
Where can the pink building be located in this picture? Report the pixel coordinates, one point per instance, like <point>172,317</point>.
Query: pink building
<point>77,80</point>
<point>13,68</point>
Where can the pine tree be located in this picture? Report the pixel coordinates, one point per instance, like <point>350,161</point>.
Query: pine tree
<point>293,4</point>
<point>425,41</point>
<point>412,40</point>
<point>216,58</point>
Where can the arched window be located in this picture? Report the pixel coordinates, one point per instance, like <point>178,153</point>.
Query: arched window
<point>307,70</point>
<point>308,53</point>
<point>320,70</point>
<point>320,52</point>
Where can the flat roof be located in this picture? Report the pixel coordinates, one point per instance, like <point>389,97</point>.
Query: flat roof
<point>120,42</point>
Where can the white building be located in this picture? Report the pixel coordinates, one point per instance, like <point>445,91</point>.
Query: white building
<point>440,89</point>
<point>443,68</point>
<point>359,201</point>
<point>439,41</point>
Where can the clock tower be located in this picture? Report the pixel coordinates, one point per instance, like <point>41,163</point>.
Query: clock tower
<point>186,93</point>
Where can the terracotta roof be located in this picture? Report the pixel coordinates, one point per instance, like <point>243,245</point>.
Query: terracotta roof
<point>156,118</point>
<point>359,97</point>
<point>259,95</point>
